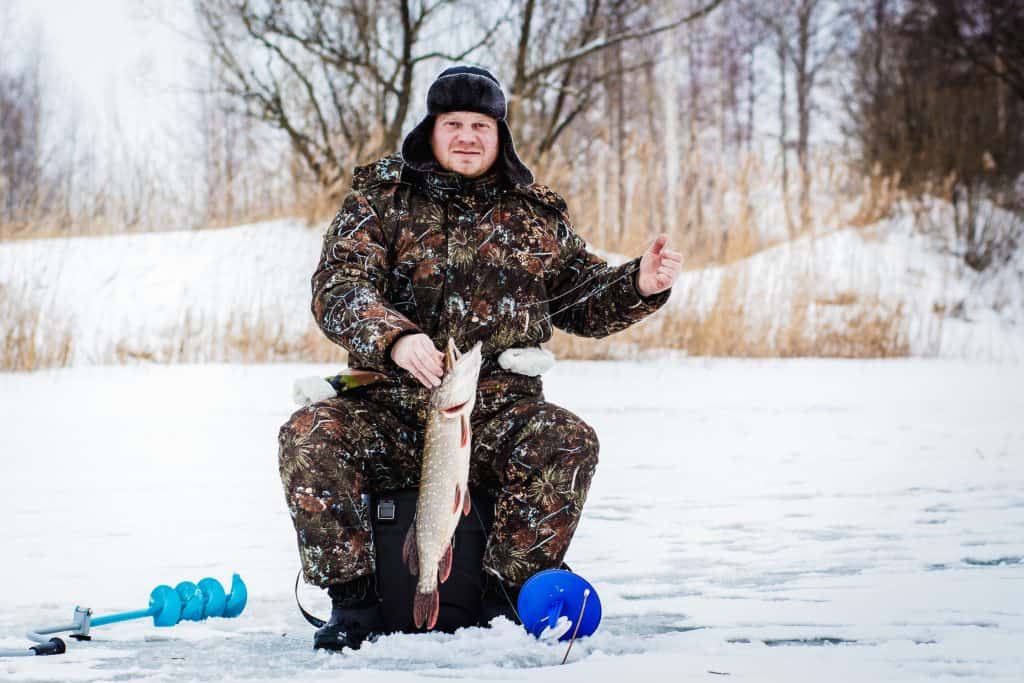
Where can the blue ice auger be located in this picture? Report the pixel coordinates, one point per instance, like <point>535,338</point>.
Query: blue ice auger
<point>168,606</point>
<point>549,595</point>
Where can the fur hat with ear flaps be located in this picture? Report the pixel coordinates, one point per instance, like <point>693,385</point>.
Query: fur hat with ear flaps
<point>465,88</point>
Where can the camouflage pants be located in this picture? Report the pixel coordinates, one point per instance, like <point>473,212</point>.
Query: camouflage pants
<point>535,457</point>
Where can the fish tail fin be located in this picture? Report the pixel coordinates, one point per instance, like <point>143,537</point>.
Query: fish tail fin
<point>410,556</point>
<point>425,608</point>
<point>444,567</point>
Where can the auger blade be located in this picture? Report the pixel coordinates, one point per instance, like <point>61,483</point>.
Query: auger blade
<point>214,598</point>
<point>165,605</point>
<point>192,601</point>
<point>238,597</point>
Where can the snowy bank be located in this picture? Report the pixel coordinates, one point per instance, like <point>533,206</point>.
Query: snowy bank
<point>889,269</point>
<point>242,294</point>
<point>167,296</point>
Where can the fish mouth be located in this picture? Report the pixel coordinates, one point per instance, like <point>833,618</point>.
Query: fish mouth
<point>454,410</point>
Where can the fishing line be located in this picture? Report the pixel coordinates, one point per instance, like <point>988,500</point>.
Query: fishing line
<point>629,272</point>
<point>559,296</point>
<point>593,277</point>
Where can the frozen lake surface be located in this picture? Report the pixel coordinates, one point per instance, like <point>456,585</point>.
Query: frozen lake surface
<point>766,520</point>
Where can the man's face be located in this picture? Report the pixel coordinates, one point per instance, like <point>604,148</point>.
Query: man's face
<point>465,142</point>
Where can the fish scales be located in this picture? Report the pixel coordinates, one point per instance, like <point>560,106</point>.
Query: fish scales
<point>444,493</point>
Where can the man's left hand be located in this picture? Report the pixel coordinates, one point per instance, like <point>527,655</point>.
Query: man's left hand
<point>659,268</point>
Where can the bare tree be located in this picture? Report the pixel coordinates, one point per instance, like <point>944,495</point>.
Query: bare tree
<point>986,33</point>
<point>224,152</point>
<point>807,35</point>
<point>336,76</point>
<point>669,96</point>
<point>929,109</point>
<point>557,76</point>
<point>21,129</point>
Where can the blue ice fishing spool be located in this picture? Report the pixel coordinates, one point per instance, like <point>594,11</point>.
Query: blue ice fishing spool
<point>554,593</point>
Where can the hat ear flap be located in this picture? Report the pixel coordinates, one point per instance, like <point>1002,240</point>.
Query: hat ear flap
<point>515,170</point>
<point>416,149</point>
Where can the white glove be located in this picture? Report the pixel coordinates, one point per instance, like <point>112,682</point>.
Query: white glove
<point>530,361</point>
<point>308,390</point>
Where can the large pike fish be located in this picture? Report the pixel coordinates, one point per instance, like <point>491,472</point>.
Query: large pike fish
<point>443,480</point>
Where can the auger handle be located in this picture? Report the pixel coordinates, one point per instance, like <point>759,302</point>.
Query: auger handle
<point>54,646</point>
<point>124,616</point>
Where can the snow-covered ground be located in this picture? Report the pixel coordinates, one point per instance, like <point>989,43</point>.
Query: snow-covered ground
<point>787,521</point>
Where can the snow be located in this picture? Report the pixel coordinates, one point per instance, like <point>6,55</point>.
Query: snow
<point>771,520</point>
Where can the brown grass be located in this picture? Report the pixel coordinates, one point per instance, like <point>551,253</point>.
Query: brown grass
<point>866,328</point>
<point>879,194</point>
<point>26,342</point>
<point>719,227</point>
<point>48,228</point>
<point>715,221</point>
<point>239,340</point>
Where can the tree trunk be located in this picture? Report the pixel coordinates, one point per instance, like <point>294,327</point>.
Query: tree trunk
<point>783,131</point>
<point>670,111</point>
<point>803,108</point>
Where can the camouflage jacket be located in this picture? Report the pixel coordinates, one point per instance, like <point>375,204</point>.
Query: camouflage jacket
<point>472,259</point>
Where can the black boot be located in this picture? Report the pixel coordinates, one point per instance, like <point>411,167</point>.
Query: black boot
<point>355,616</point>
<point>498,600</point>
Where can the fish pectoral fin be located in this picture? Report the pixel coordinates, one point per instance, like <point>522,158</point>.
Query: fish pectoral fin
<point>465,431</point>
<point>425,608</point>
<point>444,567</point>
<point>410,556</point>
<point>467,503</point>
<point>458,498</point>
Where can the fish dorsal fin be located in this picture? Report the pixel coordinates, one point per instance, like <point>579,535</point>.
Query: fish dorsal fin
<point>451,354</point>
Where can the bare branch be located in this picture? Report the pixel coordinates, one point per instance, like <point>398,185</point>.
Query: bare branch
<point>609,41</point>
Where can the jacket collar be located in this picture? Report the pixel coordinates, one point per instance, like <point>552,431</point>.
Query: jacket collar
<point>448,184</point>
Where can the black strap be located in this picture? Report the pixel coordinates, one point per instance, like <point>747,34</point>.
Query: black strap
<point>317,623</point>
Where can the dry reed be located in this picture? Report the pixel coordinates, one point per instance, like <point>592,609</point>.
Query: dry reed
<point>238,340</point>
<point>866,327</point>
<point>27,342</point>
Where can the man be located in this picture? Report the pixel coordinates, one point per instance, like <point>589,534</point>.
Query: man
<point>452,239</point>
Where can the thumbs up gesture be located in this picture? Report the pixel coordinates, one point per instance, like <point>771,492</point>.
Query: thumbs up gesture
<point>659,267</point>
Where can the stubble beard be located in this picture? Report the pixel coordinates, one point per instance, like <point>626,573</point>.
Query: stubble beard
<point>469,166</point>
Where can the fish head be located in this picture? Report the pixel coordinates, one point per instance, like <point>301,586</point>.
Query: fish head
<point>457,393</point>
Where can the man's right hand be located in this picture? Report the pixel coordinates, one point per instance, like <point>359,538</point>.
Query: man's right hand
<point>416,353</point>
